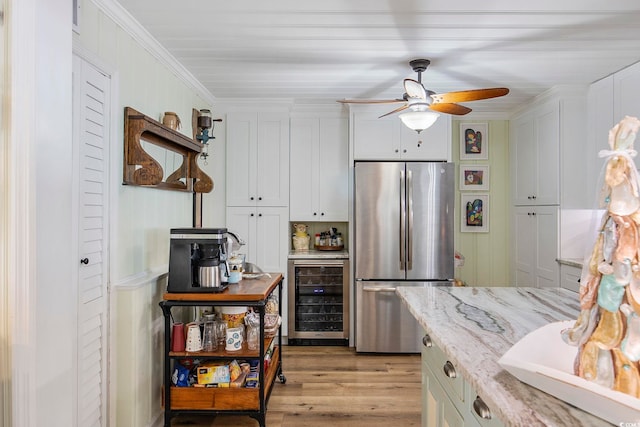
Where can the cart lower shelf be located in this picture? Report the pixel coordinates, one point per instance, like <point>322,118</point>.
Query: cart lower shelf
<point>230,399</point>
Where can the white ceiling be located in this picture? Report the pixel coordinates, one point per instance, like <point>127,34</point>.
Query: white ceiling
<point>334,49</point>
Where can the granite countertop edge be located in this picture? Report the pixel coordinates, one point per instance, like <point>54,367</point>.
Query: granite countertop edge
<point>475,326</point>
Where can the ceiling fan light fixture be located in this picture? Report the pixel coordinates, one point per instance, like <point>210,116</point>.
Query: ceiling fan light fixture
<point>419,120</point>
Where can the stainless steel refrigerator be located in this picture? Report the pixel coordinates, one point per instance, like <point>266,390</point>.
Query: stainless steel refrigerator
<point>403,224</point>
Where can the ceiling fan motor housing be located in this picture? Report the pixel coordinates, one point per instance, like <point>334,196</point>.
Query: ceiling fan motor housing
<point>419,65</point>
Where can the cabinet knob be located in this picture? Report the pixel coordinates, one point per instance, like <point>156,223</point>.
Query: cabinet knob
<point>404,151</point>
<point>84,261</point>
<point>259,214</point>
<point>251,198</point>
<point>396,150</point>
<point>322,214</point>
<point>259,198</point>
<point>252,214</point>
<point>315,213</point>
<point>481,408</point>
<point>450,370</point>
<point>426,341</point>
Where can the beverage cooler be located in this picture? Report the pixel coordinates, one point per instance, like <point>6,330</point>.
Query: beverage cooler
<point>318,302</point>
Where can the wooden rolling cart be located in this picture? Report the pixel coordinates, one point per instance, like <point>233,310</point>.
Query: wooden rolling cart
<point>241,401</point>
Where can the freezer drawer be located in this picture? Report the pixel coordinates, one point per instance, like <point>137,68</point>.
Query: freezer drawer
<point>383,323</point>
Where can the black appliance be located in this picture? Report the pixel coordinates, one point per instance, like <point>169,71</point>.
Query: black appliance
<point>194,259</point>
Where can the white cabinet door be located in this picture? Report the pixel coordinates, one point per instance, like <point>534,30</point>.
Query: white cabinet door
<point>547,143</point>
<point>524,246</point>
<point>547,270</point>
<point>319,181</point>
<point>601,119</point>
<point>626,87</point>
<point>536,246</point>
<point>570,277</point>
<point>257,159</point>
<point>535,157</point>
<point>374,138</point>
<point>523,165</point>
<point>265,231</point>
<point>388,139</point>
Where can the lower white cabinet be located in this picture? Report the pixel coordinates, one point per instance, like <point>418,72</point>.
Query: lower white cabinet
<point>266,233</point>
<point>447,399</point>
<point>536,246</point>
<point>570,277</point>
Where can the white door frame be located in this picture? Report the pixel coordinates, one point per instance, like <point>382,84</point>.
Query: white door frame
<point>17,216</point>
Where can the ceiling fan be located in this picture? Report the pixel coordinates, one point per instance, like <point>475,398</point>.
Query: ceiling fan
<point>418,100</point>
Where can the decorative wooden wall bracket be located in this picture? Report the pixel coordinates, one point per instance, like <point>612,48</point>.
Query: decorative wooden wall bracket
<point>140,168</point>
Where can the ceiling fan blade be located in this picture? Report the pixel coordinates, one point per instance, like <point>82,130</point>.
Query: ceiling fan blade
<point>397,110</point>
<point>450,108</point>
<point>414,89</point>
<point>469,95</point>
<point>370,101</point>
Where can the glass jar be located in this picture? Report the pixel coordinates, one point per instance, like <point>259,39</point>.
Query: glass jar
<point>253,337</point>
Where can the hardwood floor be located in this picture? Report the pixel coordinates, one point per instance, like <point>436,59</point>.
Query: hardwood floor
<point>335,387</point>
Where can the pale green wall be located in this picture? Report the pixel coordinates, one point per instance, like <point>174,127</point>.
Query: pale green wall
<point>140,219</point>
<point>486,254</point>
<point>143,216</point>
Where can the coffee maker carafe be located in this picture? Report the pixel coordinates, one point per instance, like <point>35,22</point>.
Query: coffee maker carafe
<point>209,266</point>
<point>194,260</point>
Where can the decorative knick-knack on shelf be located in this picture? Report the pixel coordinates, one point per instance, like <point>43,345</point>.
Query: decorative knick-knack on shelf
<point>300,237</point>
<point>171,120</point>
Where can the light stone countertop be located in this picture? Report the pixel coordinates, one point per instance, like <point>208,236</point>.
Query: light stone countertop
<point>475,326</point>
<point>573,262</point>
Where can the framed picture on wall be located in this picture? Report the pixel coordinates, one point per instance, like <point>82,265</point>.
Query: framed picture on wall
<point>474,210</point>
<point>474,177</point>
<point>474,141</point>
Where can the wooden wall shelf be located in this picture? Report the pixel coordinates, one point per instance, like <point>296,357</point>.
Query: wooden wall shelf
<point>140,168</point>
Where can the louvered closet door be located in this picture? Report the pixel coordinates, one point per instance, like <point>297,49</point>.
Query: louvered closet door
<point>91,121</point>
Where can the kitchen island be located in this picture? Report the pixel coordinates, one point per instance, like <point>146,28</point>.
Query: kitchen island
<point>474,327</point>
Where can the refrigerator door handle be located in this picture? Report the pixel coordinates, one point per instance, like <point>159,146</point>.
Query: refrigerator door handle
<point>410,220</point>
<point>403,220</point>
<point>377,289</point>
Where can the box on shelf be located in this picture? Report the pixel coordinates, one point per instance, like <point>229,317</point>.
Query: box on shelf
<point>213,373</point>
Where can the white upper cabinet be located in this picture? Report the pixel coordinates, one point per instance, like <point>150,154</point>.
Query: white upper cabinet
<point>552,132</point>
<point>257,159</point>
<point>610,100</point>
<point>536,156</point>
<point>387,138</point>
<point>626,93</point>
<point>319,180</point>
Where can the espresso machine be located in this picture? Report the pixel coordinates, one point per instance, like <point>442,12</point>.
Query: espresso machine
<point>197,259</point>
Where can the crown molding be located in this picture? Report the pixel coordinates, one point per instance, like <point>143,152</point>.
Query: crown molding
<point>131,26</point>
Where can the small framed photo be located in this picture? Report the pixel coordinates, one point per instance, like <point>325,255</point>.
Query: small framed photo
<point>474,210</point>
<point>474,141</point>
<point>474,177</point>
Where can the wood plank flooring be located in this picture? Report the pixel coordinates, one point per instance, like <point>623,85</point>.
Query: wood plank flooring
<point>335,387</point>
